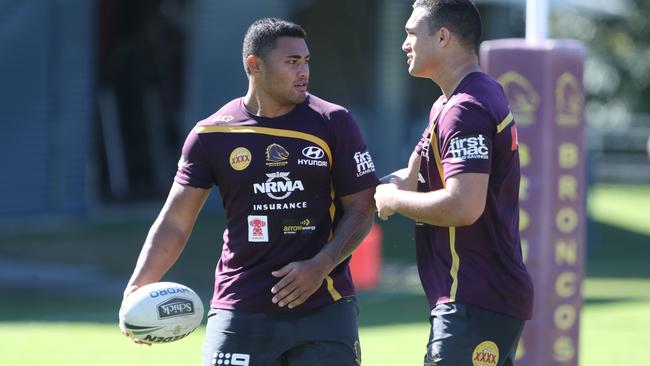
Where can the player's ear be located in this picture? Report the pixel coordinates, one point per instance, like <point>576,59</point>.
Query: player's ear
<point>254,64</point>
<point>444,36</point>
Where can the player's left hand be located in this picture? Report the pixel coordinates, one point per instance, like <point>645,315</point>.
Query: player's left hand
<point>299,280</point>
<point>128,291</point>
<point>384,194</point>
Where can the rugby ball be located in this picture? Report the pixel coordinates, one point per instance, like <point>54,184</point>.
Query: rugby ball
<point>161,312</point>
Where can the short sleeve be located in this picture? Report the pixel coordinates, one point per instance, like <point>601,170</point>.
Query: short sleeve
<point>466,140</point>
<point>424,142</point>
<point>353,169</point>
<point>193,168</point>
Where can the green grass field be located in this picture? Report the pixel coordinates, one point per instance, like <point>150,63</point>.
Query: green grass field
<point>61,330</point>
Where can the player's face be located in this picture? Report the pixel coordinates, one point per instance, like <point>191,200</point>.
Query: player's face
<point>420,45</point>
<point>286,70</point>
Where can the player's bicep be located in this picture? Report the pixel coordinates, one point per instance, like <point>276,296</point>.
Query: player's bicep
<point>359,201</point>
<point>183,205</point>
<point>466,140</point>
<point>194,167</point>
<point>469,192</point>
<point>353,168</point>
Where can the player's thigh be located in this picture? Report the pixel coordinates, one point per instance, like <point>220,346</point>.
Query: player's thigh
<point>239,339</point>
<point>467,335</point>
<point>328,335</point>
<point>498,336</point>
<point>322,353</point>
<point>334,322</point>
<point>447,336</point>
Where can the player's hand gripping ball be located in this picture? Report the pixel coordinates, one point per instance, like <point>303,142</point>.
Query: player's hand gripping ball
<point>161,312</point>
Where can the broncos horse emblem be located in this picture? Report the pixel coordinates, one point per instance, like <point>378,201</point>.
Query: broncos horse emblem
<point>276,153</point>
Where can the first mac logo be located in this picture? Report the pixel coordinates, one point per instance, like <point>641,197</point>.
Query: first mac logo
<point>176,306</point>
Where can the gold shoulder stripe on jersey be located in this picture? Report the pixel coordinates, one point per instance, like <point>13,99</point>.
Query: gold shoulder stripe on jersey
<point>506,121</point>
<point>269,131</point>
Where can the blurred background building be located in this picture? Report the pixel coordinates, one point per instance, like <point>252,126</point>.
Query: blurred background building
<point>98,96</point>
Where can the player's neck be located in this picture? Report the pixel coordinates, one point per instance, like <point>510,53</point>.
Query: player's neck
<point>461,66</point>
<point>261,104</point>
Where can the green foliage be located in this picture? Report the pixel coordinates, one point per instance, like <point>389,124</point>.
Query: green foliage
<point>617,72</point>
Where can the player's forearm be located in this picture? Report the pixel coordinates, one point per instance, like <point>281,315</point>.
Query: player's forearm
<point>353,227</point>
<point>438,208</point>
<point>406,178</point>
<point>403,178</point>
<point>160,251</point>
<point>401,174</point>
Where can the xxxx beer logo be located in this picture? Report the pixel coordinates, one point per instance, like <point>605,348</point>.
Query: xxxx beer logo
<point>485,354</point>
<point>240,158</point>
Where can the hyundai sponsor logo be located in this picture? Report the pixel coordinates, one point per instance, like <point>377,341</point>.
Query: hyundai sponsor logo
<point>313,152</point>
<point>313,155</point>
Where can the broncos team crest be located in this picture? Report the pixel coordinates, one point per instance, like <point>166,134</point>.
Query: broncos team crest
<point>276,155</point>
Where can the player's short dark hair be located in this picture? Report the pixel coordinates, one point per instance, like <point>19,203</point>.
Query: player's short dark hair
<point>461,17</point>
<point>261,36</point>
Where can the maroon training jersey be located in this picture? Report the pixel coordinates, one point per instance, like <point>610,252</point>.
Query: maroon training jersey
<point>480,264</point>
<point>280,180</point>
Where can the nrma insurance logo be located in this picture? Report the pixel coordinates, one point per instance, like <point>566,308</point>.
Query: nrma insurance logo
<point>175,306</point>
<point>278,186</point>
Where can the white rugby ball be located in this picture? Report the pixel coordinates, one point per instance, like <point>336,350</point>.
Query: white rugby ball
<point>161,312</point>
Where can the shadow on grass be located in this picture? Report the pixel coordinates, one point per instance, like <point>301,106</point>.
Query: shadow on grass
<point>617,253</point>
<point>378,309</point>
<point>77,272</point>
<point>20,306</point>
<point>23,306</point>
<point>597,301</point>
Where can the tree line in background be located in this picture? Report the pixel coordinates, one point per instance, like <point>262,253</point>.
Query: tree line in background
<point>617,69</point>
